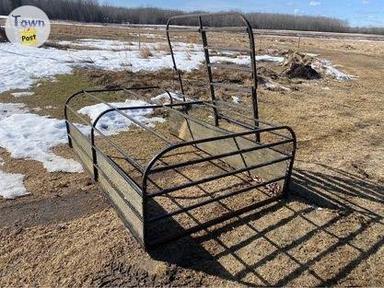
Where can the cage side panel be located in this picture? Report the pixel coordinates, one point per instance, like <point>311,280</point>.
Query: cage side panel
<point>131,220</point>
<point>190,130</point>
<point>82,148</point>
<point>115,177</point>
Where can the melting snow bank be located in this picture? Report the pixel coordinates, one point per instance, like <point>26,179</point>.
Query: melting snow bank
<point>12,185</point>
<point>113,122</point>
<point>22,66</point>
<point>31,136</point>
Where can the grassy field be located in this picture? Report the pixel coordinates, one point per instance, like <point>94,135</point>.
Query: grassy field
<point>65,233</point>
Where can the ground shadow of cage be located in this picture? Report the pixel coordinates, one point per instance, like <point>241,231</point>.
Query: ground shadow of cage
<point>210,162</point>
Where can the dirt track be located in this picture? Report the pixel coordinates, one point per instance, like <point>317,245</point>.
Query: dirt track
<point>329,231</point>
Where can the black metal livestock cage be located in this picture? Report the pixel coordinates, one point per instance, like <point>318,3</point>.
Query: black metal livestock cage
<point>208,162</point>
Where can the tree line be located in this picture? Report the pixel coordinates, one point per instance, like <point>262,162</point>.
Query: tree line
<point>92,11</point>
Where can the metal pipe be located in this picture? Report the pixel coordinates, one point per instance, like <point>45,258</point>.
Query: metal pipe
<point>209,71</point>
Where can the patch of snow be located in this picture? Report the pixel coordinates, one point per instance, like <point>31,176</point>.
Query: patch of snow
<point>245,60</point>
<point>22,94</point>
<point>165,97</point>
<point>8,109</point>
<point>330,70</point>
<point>273,86</point>
<point>236,99</point>
<point>113,122</point>
<point>22,66</point>
<point>311,54</point>
<point>30,136</point>
<point>268,58</point>
<point>101,44</point>
<point>12,185</point>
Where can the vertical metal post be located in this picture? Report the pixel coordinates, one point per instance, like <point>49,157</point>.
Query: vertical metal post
<point>68,134</point>
<point>255,104</point>
<point>207,62</point>
<point>288,178</point>
<point>94,155</point>
<point>174,61</point>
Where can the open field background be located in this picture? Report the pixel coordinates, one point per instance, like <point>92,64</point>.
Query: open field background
<point>329,230</point>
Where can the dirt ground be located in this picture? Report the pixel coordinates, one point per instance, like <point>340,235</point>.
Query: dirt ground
<point>329,230</point>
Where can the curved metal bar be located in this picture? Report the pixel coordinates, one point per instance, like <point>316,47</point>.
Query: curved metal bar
<point>66,115</point>
<point>116,89</point>
<point>94,124</point>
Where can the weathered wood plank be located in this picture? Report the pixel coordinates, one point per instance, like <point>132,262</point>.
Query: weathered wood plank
<point>130,217</point>
<point>114,174</point>
<point>82,148</point>
<point>191,130</point>
<point>81,139</point>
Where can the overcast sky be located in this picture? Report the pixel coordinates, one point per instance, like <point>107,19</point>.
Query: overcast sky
<point>356,12</point>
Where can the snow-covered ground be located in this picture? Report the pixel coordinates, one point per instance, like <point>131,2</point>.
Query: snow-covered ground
<point>23,66</point>
<point>30,136</point>
<point>8,109</point>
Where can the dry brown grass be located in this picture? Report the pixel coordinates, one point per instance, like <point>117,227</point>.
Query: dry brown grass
<point>163,47</point>
<point>291,243</point>
<point>145,52</point>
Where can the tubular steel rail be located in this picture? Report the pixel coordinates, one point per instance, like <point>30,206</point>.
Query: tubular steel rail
<point>215,162</point>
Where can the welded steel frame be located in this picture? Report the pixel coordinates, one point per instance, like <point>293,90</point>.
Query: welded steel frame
<point>131,197</point>
<point>202,29</point>
<point>141,188</point>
